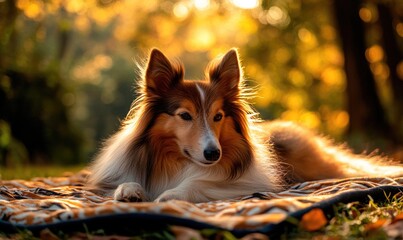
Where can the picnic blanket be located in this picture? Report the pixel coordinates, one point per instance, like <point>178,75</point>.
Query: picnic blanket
<point>64,203</point>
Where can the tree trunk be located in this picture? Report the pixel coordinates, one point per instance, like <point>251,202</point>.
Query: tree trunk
<point>367,117</point>
<point>393,57</point>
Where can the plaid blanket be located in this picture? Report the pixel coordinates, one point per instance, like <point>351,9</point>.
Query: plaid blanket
<point>64,203</point>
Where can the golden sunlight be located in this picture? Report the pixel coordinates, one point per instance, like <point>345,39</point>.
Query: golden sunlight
<point>399,29</point>
<point>277,16</point>
<point>374,54</point>
<point>292,54</point>
<point>298,78</point>
<point>380,70</point>
<point>200,39</point>
<point>75,6</point>
<point>365,14</point>
<point>399,69</point>
<point>82,23</point>
<point>246,4</point>
<point>181,10</point>
<point>201,4</point>
<point>333,76</point>
<point>307,37</point>
<point>31,9</point>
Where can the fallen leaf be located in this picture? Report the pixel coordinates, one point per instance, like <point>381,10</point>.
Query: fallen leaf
<point>398,217</point>
<point>376,225</point>
<point>313,220</point>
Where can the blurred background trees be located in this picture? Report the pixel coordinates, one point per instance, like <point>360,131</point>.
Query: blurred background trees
<point>68,67</point>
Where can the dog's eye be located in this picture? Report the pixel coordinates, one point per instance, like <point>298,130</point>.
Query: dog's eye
<point>185,116</point>
<point>218,117</point>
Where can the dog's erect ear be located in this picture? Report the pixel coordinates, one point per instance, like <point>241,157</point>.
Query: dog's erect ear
<point>161,74</point>
<point>226,71</point>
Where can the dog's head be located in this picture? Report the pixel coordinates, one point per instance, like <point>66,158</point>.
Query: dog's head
<point>196,114</point>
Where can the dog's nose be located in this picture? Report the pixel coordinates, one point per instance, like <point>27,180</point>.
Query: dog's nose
<point>212,154</point>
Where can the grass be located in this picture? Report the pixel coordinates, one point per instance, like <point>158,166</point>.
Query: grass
<point>28,172</point>
<point>358,221</point>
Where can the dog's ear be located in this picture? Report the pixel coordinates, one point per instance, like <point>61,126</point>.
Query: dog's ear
<point>226,71</point>
<point>161,74</point>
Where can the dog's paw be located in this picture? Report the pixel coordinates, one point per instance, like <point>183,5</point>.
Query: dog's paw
<point>129,192</point>
<point>169,195</point>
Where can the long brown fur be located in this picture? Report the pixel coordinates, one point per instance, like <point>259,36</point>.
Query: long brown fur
<point>200,141</point>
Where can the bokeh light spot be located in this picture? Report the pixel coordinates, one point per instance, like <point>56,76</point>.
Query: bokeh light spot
<point>399,70</point>
<point>246,4</point>
<point>365,14</point>
<point>199,39</point>
<point>374,54</point>
<point>333,77</point>
<point>307,37</point>
<point>180,10</point>
<point>201,4</point>
<point>399,29</point>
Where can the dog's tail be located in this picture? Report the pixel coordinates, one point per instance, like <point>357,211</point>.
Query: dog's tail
<point>306,156</point>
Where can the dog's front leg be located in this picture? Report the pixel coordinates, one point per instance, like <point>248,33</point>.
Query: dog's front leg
<point>191,192</point>
<point>172,194</point>
<point>129,192</point>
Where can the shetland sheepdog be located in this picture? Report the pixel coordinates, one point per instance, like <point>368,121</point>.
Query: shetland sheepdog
<point>201,141</point>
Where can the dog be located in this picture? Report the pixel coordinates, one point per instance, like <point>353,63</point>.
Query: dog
<point>200,141</point>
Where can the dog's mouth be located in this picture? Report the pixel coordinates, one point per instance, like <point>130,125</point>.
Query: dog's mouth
<point>187,153</point>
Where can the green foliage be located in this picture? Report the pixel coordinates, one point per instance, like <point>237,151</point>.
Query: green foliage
<point>35,120</point>
<point>12,152</point>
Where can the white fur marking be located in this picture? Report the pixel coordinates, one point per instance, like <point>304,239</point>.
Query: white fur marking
<point>208,136</point>
<point>202,93</point>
